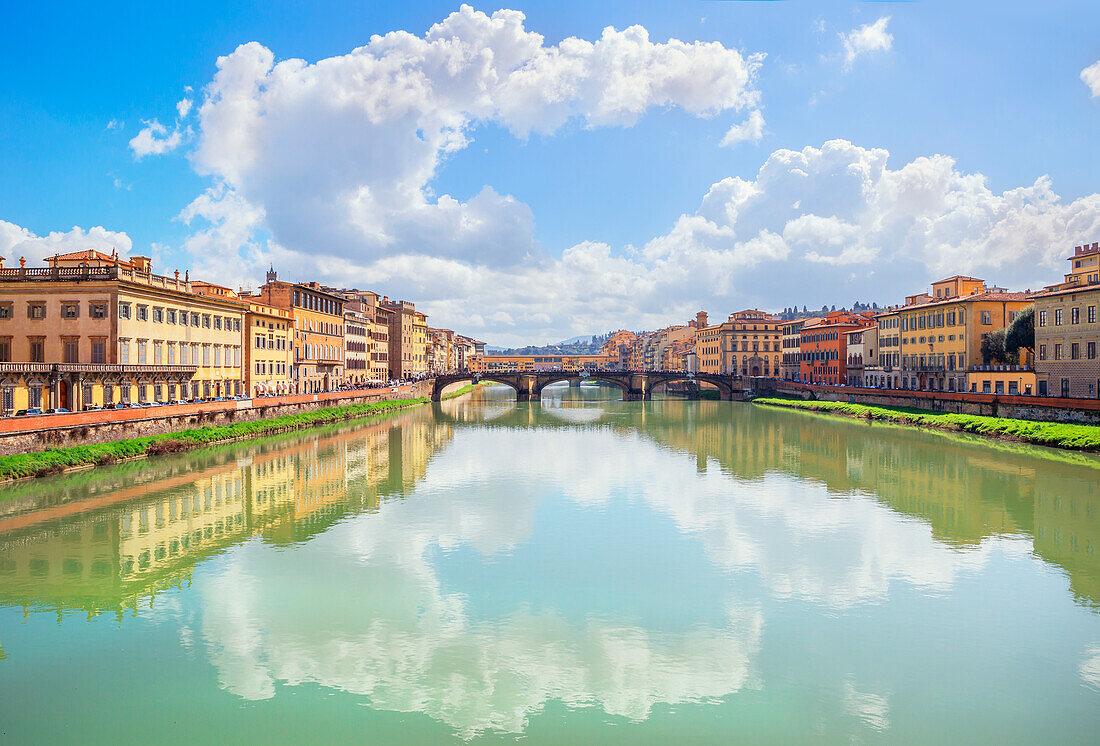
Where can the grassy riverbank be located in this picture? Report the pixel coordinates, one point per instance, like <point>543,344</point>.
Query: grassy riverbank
<point>1053,434</point>
<point>40,464</point>
<point>53,461</point>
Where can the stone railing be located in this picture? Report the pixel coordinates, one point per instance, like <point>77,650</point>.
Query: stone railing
<point>79,274</point>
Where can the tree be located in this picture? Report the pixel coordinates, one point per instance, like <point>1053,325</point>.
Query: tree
<point>1021,332</point>
<point>993,348</point>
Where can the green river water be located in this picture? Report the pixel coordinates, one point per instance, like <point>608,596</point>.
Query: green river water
<point>583,570</point>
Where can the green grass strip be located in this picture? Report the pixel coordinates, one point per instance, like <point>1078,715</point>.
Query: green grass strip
<point>1053,434</point>
<point>53,461</point>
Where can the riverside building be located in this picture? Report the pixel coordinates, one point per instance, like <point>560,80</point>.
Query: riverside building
<point>92,329</point>
<point>823,347</point>
<point>318,318</point>
<point>408,339</point>
<point>1067,331</point>
<point>940,334</point>
<point>269,345</point>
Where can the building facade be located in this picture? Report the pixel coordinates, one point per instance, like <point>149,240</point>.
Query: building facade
<point>491,363</point>
<point>789,340</point>
<point>824,347</point>
<point>408,339</point>
<point>93,330</point>
<point>1067,332</point>
<point>318,317</point>
<point>357,348</point>
<point>269,345</point>
<point>940,334</point>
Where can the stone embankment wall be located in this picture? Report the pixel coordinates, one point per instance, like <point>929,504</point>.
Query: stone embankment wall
<point>1046,408</point>
<point>28,434</point>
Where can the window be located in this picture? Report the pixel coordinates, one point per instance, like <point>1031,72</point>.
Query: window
<point>5,350</point>
<point>1042,318</point>
<point>194,319</point>
<point>1042,352</point>
<point>124,351</point>
<point>37,349</point>
<point>1075,315</point>
<point>158,315</point>
<point>157,348</point>
<point>5,310</point>
<point>70,350</point>
<point>183,318</point>
<point>987,318</point>
<point>97,310</point>
<point>236,325</point>
<point>1057,352</point>
<point>206,354</point>
<point>1092,314</point>
<point>172,353</point>
<point>9,398</point>
<point>1065,387</point>
<point>1074,351</point>
<point>171,313</point>
<point>141,352</point>
<point>206,321</point>
<point>36,310</point>
<point>218,322</point>
<point>1058,317</point>
<point>217,354</point>
<point>1090,351</point>
<point>99,350</point>
<point>143,313</point>
<point>70,310</point>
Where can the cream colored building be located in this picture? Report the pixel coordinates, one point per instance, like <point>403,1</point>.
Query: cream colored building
<point>94,330</point>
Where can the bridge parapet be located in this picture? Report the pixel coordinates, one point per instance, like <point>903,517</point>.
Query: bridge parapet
<point>635,385</point>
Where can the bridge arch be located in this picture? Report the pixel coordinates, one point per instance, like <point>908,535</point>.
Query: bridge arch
<point>442,383</point>
<point>620,381</point>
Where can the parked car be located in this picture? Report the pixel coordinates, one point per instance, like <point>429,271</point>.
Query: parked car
<point>58,410</point>
<point>30,412</point>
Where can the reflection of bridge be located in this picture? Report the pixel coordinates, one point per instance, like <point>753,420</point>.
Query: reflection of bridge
<point>636,386</point>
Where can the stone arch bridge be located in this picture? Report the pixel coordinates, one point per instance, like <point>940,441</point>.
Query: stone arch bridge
<point>636,386</point>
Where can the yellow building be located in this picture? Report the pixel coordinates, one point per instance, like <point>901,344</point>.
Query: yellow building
<point>491,363</point>
<point>940,334</point>
<point>708,352</point>
<point>747,343</point>
<point>318,317</point>
<point>269,343</point>
<point>95,330</point>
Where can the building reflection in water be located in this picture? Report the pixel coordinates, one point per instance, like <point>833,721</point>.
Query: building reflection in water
<point>97,542</point>
<point>834,514</point>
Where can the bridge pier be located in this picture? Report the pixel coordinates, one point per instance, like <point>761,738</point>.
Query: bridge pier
<point>575,383</point>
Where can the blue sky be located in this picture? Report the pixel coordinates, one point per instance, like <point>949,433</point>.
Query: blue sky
<point>591,212</point>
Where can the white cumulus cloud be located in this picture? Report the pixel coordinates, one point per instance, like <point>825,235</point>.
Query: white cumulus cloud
<point>16,242</point>
<point>339,153</point>
<point>815,223</point>
<point>155,139</point>
<point>868,38</point>
<point>751,130</point>
<point>1091,77</point>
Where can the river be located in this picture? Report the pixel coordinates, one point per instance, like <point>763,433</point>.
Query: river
<point>583,570</point>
